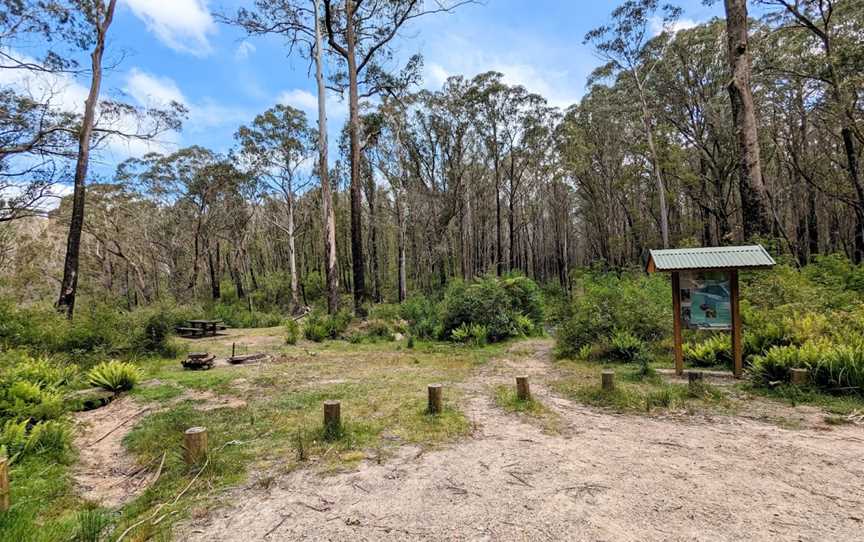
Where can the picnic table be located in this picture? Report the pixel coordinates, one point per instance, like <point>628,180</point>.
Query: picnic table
<point>201,328</point>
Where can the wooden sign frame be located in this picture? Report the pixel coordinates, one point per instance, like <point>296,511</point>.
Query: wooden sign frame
<point>735,307</point>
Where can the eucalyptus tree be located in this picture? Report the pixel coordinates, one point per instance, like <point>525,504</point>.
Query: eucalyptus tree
<point>624,45</point>
<point>275,147</point>
<point>834,59</point>
<point>299,22</point>
<point>361,33</point>
<point>754,200</point>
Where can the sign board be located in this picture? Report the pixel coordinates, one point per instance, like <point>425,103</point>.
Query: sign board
<point>706,300</point>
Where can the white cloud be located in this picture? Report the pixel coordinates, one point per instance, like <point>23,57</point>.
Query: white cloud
<point>299,98</point>
<point>152,91</point>
<point>657,25</point>
<point>182,25</point>
<point>244,50</point>
<point>435,75</point>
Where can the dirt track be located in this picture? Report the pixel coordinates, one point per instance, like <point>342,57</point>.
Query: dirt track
<point>605,477</point>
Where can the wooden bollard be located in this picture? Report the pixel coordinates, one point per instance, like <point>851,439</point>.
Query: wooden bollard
<point>436,399</point>
<point>332,418</point>
<point>798,377</point>
<point>523,389</point>
<point>5,498</point>
<point>194,445</point>
<point>695,378</point>
<point>608,379</point>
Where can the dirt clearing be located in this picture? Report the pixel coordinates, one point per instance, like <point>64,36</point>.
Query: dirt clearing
<point>604,477</point>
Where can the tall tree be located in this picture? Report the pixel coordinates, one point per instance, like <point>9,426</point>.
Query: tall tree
<point>99,16</point>
<point>360,33</point>
<point>754,200</point>
<point>300,22</point>
<point>276,145</point>
<point>623,46</point>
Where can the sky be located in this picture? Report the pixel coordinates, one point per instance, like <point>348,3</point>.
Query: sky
<point>175,50</point>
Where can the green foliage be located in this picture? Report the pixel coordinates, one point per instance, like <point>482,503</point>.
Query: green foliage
<point>506,307</point>
<point>292,331</point>
<point>421,313</point>
<point>624,346</point>
<point>831,366</point>
<point>320,326</point>
<point>31,388</point>
<point>238,315</point>
<point>48,438</point>
<point>114,376</point>
<point>603,303</point>
<point>714,351</point>
<point>470,333</point>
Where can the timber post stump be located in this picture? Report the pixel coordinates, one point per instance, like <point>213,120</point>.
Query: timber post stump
<point>798,377</point>
<point>194,445</point>
<point>436,399</point>
<point>695,379</point>
<point>332,419</point>
<point>607,379</point>
<point>5,498</point>
<point>523,389</point>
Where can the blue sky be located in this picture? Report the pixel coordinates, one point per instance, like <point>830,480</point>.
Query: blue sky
<point>173,49</point>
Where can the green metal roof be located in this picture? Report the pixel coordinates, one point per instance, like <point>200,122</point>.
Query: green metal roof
<point>684,259</point>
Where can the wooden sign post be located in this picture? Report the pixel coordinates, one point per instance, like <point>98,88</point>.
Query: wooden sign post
<point>706,300</point>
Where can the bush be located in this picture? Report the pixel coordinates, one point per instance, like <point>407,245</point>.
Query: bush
<point>320,326</point>
<point>292,331</point>
<point>114,376</point>
<point>473,334</point>
<point>51,438</point>
<point>422,316</point>
<point>604,303</point>
<point>625,346</point>
<point>831,366</point>
<point>506,307</point>
<point>714,351</point>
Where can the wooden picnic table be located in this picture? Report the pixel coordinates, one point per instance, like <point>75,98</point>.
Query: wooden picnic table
<point>207,327</point>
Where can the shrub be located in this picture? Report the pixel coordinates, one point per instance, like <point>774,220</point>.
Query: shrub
<point>379,330</point>
<point>716,350</point>
<point>475,334</point>
<point>51,438</point>
<point>422,316</point>
<point>625,346</point>
<point>114,376</point>
<point>25,400</point>
<point>156,332</point>
<point>506,307</point>
<point>605,303</point>
<point>831,366</point>
<point>320,326</point>
<point>292,331</point>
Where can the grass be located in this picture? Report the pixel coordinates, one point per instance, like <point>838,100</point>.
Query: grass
<point>636,391</point>
<point>532,409</point>
<point>382,387</point>
<point>841,405</point>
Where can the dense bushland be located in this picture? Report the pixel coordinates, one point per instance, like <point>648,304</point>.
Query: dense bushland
<point>810,318</point>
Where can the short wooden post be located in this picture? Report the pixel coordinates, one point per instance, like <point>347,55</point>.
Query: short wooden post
<point>523,389</point>
<point>694,379</point>
<point>608,379</point>
<point>194,445</point>
<point>332,418</point>
<point>436,399</point>
<point>798,377</point>
<point>5,498</point>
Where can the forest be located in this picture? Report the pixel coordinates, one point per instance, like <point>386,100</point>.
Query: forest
<point>461,234</point>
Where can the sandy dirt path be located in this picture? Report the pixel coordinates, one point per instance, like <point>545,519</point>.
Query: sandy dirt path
<point>605,477</point>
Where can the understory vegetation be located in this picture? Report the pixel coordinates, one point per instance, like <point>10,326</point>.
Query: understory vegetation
<point>810,318</point>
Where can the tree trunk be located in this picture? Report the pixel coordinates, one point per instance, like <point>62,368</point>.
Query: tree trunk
<point>330,261</point>
<point>69,285</point>
<point>358,264</point>
<point>655,165</point>
<point>292,255</point>
<point>756,220</point>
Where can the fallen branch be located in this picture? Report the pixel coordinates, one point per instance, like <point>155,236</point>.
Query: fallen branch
<point>124,422</point>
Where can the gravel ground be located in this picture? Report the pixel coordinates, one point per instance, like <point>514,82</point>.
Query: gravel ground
<point>603,477</point>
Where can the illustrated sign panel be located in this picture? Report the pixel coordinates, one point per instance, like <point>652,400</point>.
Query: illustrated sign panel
<point>706,300</point>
